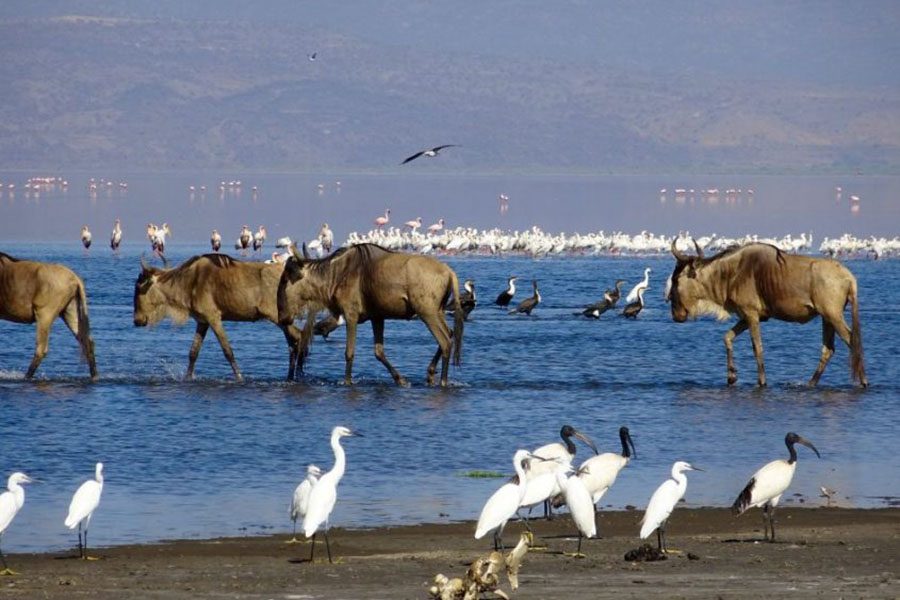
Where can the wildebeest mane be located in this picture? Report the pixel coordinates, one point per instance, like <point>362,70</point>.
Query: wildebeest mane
<point>4,257</point>
<point>222,261</point>
<point>347,259</point>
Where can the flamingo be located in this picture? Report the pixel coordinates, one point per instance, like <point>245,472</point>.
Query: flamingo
<point>380,222</point>
<point>435,227</point>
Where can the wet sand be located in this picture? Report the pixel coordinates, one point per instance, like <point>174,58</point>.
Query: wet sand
<point>821,552</point>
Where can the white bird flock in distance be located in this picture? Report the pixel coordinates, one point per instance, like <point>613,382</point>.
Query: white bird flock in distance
<point>323,495</point>
<point>81,509</point>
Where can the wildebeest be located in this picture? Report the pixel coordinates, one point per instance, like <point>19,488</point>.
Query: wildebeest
<point>212,288</point>
<point>368,282</point>
<point>757,282</point>
<point>36,292</point>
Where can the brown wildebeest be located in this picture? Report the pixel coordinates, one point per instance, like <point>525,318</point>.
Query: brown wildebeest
<point>368,282</point>
<point>36,292</point>
<point>757,282</point>
<point>212,288</point>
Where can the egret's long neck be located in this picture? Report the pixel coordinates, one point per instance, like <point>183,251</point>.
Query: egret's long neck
<point>520,471</point>
<point>681,479</point>
<point>99,476</point>
<point>340,462</point>
<point>18,493</point>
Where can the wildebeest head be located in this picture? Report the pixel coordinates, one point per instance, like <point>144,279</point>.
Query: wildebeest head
<point>686,293</point>
<point>290,287</point>
<point>150,303</point>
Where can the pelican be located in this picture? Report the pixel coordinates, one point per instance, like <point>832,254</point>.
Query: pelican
<point>642,285</point>
<point>663,502</point>
<point>300,500</point>
<point>11,502</point>
<point>215,240</point>
<point>116,237</point>
<point>769,483</point>
<point>506,295</point>
<point>429,153</point>
<point>503,504</point>
<point>324,494</point>
<point>82,507</point>
<point>86,237</point>
<point>578,499</point>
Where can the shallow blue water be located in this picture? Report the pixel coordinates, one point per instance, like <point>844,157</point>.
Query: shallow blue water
<point>213,457</point>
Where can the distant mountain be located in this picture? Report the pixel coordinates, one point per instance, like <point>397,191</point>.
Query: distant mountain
<point>138,91</point>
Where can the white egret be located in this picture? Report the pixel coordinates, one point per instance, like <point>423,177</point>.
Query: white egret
<point>323,495</point>
<point>503,504</point>
<point>643,285</point>
<point>539,490</point>
<point>663,502</point>
<point>82,507</point>
<point>578,499</point>
<point>11,502</point>
<point>300,500</point>
<point>769,483</point>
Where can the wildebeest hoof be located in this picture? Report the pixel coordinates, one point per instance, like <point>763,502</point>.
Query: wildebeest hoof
<point>402,382</point>
<point>732,379</point>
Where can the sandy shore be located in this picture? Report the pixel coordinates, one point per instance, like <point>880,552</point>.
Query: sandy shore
<point>822,553</point>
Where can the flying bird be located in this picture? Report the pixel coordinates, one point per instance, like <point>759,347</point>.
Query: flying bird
<point>432,152</point>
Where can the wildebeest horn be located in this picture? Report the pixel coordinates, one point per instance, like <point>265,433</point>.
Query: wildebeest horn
<point>305,252</point>
<point>165,260</point>
<point>144,265</point>
<point>296,254</point>
<point>699,249</point>
<point>678,254</point>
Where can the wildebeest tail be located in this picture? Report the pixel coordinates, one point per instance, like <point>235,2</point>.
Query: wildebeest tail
<point>84,330</point>
<point>459,318</point>
<point>857,368</point>
<point>743,500</point>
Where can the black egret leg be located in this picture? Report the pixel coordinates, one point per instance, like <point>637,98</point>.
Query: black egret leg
<point>312,549</point>
<point>328,547</point>
<point>80,545</point>
<point>85,556</point>
<point>659,539</point>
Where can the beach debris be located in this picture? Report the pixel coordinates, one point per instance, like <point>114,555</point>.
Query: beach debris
<point>828,494</point>
<point>483,575</point>
<point>645,553</point>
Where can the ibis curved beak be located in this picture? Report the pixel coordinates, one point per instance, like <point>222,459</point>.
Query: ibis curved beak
<point>587,441</point>
<point>631,443</point>
<point>808,444</point>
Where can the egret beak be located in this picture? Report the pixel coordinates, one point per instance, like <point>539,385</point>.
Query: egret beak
<point>693,468</point>
<point>587,441</point>
<point>357,434</point>
<point>808,444</point>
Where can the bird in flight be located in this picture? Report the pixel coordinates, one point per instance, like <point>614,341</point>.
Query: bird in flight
<point>432,152</point>
<point>312,56</point>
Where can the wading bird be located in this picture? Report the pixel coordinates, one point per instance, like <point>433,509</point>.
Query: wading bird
<point>633,309</point>
<point>383,220</point>
<point>11,502</point>
<point>215,240</point>
<point>82,507</point>
<point>557,453</point>
<point>324,494</point>
<point>506,295</point>
<point>259,238</point>
<point>663,502</point>
<point>429,153</point>
<point>300,499</point>
<point>578,499</point>
<point>642,285</point>
<point>599,472</point>
<point>116,237</point>
<point>528,304</point>
<point>86,237</point>
<point>503,504</point>
<point>769,483</point>
<point>326,238</point>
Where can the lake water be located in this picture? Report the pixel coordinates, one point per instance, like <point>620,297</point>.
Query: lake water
<point>214,457</point>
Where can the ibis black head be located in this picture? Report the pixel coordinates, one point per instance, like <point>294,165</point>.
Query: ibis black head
<point>568,432</point>
<point>625,436</point>
<point>792,438</point>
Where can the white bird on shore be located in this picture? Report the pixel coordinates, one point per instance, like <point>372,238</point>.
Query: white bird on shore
<point>11,502</point>
<point>300,500</point>
<point>558,453</point>
<point>769,483</point>
<point>599,472</point>
<point>323,496</point>
<point>82,507</point>
<point>663,502</point>
<point>86,237</point>
<point>578,499</point>
<point>326,238</point>
<point>643,285</point>
<point>503,504</point>
<point>115,239</point>
<point>215,240</point>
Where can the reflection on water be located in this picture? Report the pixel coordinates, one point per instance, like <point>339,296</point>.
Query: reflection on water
<point>213,457</point>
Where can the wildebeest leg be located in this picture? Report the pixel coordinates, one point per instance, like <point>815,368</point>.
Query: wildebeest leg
<point>293,342</point>
<point>226,347</point>
<point>42,342</point>
<point>732,333</point>
<point>350,350</point>
<point>70,318</point>
<point>756,337</point>
<point>441,332</point>
<point>827,349</point>
<point>199,335</point>
<point>378,333</point>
